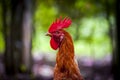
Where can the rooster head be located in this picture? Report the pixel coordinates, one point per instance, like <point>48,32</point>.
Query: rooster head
<point>56,33</point>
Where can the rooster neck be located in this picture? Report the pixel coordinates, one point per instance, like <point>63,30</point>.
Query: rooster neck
<point>66,48</point>
<point>66,65</point>
<point>66,52</point>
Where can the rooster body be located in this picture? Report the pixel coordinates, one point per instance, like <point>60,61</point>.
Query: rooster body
<point>66,67</point>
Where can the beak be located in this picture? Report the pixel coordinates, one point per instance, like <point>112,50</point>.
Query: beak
<point>48,34</point>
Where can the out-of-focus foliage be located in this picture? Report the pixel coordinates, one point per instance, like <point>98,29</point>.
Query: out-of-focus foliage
<point>89,29</point>
<point>93,37</point>
<point>1,42</point>
<point>1,35</point>
<point>89,19</point>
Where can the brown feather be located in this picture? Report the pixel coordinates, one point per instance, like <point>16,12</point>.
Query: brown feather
<point>66,68</point>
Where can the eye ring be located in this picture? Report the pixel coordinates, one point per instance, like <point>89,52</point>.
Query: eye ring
<point>57,32</point>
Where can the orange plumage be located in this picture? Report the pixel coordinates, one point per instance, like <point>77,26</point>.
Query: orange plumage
<point>66,67</point>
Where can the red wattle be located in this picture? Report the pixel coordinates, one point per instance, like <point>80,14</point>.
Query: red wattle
<point>54,45</point>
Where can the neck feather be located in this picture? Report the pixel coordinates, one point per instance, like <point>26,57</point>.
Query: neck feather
<point>66,51</point>
<point>65,62</point>
<point>67,46</point>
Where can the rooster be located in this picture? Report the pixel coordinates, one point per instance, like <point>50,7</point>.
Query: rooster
<point>66,67</point>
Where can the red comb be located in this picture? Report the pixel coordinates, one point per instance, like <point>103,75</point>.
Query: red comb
<point>59,24</point>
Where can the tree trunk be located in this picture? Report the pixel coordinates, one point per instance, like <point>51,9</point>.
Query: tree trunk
<point>116,56</point>
<point>17,35</point>
<point>26,36</point>
<point>6,32</point>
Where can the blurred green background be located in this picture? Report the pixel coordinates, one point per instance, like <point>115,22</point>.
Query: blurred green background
<point>24,23</point>
<point>90,27</point>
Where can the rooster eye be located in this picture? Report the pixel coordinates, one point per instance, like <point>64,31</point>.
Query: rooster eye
<point>57,32</point>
